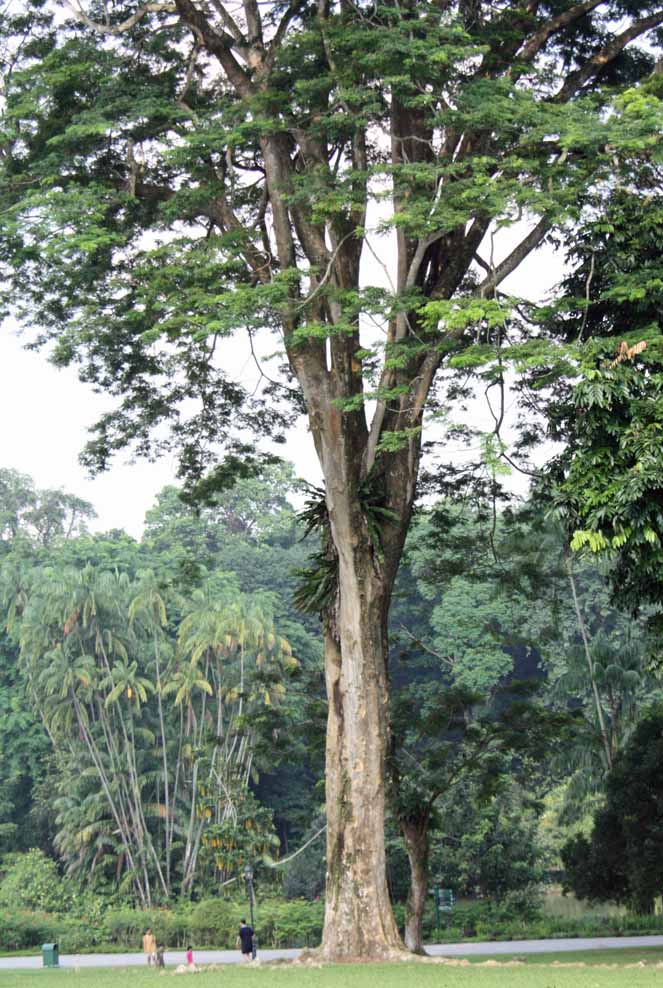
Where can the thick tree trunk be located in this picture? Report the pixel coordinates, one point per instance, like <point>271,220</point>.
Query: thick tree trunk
<point>359,921</point>
<point>415,834</point>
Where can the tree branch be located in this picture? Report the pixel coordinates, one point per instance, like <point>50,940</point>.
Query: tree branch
<point>219,45</point>
<point>222,214</point>
<point>283,26</point>
<point>229,22</point>
<point>253,22</point>
<point>427,648</point>
<point>124,26</point>
<point>191,67</point>
<point>534,45</point>
<point>593,66</point>
<point>515,258</point>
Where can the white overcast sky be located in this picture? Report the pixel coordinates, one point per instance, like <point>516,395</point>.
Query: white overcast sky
<point>45,413</point>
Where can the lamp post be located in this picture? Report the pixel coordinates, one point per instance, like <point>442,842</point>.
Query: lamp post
<point>248,881</point>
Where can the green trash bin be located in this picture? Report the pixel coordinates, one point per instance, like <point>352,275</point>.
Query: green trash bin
<point>50,955</point>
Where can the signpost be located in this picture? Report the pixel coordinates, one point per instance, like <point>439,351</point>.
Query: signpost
<point>444,902</point>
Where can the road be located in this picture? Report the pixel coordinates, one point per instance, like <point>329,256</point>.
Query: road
<point>443,949</point>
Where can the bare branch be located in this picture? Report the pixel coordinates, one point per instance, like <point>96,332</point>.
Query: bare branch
<point>283,26</point>
<point>222,214</point>
<point>124,26</point>
<point>219,45</point>
<point>229,22</point>
<point>483,264</point>
<point>593,66</point>
<point>515,258</point>
<point>326,276</point>
<point>427,648</point>
<point>253,21</point>
<point>534,45</point>
<point>182,97</point>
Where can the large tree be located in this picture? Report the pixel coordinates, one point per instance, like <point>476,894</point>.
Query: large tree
<point>179,170</point>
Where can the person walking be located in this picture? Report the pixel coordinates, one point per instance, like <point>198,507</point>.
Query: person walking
<point>245,940</point>
<point>150,947</point>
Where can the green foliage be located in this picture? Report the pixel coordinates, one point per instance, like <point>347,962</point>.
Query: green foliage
<point>23,750</point>
<point>125,927</point>
<point>489,847</point>
<point>163,689</point>
<point>606,482</point>
<point>45,516</point>
<point>20,930</point>
<point>317,585</point>
<point>32,881</point>
<point>244,837</point>
<point>296,922</point>
<point>215,922</point>
<point>211,923</point>
<point>616,470</point>
<point>304,876</point>
<point>621,860</point>
<point>126,184</point>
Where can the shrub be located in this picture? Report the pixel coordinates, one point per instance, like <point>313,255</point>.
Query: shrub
<point>291,923</point>
<point>21,930</point>
<point>295,923</point>
<point>74,935</point>
<point>127,926</point>
<point>32,881</point>
<point>214,922</point>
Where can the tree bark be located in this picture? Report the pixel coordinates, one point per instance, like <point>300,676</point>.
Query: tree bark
<point>415,834</point>
<point>359,921</point>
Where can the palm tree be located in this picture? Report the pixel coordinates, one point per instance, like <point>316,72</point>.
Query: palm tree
<point>147,610</point>
<point>229,650</point>
<point>72,639</point>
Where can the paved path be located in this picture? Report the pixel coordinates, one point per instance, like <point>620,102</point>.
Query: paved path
<point>444,949</point>
<point>542,946</point>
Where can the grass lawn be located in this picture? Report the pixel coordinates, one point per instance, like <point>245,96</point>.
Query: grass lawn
<point>620,955</point>
<point>407,975</point>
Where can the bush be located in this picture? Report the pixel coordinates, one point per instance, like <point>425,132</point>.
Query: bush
<point>295,923</point>
<point>214,922</point>
<point>21,930</point>
<point>126,927</point>
<point>32,881</point>
<point>278,923</point>
<point>75,935</point>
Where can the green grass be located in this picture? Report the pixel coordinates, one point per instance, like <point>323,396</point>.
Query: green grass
<point>407,975</point>
<point>567,906</point>
<point>618,955</point>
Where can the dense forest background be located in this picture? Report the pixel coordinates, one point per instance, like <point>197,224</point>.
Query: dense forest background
<point>163,711</point>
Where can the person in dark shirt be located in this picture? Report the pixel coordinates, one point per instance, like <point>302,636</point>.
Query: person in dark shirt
<point>245,939</point>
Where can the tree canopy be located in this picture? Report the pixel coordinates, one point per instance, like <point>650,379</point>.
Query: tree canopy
<point>621,859</point>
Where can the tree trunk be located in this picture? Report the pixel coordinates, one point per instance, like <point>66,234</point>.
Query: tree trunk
<point>359,921</point>
<point>590,662</point>
<point>415,834</point>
